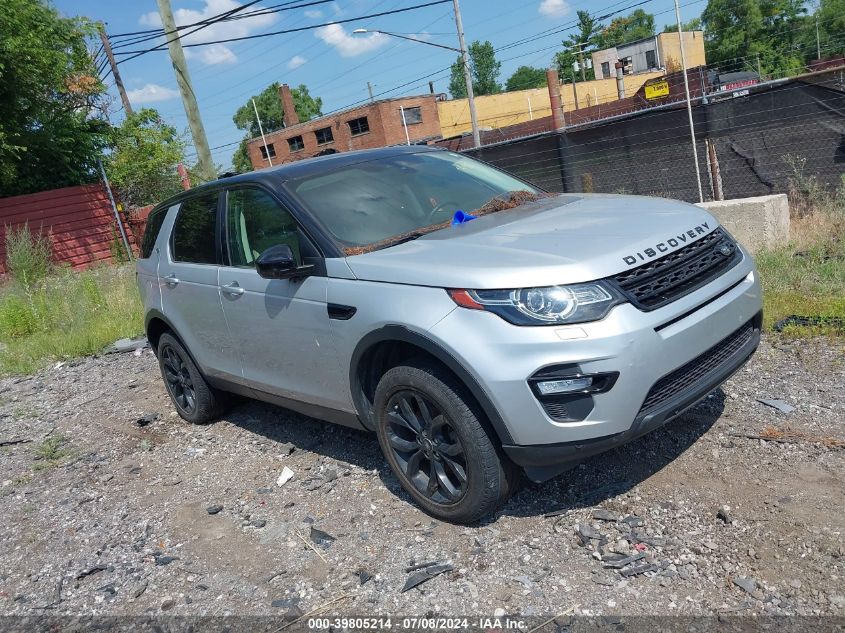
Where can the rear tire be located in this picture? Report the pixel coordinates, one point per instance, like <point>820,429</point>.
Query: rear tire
<point>195,400</point>
<point>433,436</point>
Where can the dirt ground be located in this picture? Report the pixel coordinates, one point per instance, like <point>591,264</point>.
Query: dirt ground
<point>107,512</point>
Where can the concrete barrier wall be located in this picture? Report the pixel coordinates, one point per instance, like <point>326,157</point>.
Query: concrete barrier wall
<point>757,223</point>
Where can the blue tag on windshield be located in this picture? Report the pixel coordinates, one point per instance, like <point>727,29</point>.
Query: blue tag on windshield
<point>460,217</point>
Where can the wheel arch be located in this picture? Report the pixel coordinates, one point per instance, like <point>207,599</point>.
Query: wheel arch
<point>386,347</point>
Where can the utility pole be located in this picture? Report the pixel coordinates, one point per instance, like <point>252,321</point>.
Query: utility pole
<point>818,40</point>
<point>689,101</point>
<point>581,46</point>
<point>127,107</point>
<point>370,90</point>
<point>476,135</point>
<point>183,79</point>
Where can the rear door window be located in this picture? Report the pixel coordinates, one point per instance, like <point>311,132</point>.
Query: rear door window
<point>194,232</point>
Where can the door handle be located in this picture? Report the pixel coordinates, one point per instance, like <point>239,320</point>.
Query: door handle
<point>171,280</point>
<point>233,289</point>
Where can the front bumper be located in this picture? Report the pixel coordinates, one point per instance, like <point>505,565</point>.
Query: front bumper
<point>544,461</point>
<point>642,347</point>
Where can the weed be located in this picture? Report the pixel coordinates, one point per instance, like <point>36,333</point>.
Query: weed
<point>17,316</point>
<point>69,314</point>
<point>146,445</point>
<point>806,277</point>
<point>19,413</point>
<point>51,452</point>
<point>28,255</point>
<point>117,248</point>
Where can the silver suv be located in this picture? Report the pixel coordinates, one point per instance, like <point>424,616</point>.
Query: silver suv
<point>478,326</point>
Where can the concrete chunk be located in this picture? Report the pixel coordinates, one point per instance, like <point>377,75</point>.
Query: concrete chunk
<point>758,223</point>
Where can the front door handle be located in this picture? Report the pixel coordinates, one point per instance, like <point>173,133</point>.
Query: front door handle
<point>233,289</point>
<point>171,280</point>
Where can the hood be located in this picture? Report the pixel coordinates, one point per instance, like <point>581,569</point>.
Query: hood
<point>559,240</point>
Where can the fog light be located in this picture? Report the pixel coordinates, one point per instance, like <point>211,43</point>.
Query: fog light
<point>564,385</point>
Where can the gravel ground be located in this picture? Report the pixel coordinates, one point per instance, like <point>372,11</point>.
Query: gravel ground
<point>116,506</point>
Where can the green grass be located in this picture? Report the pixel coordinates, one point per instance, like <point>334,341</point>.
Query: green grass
<point>807,277</point>
<point>805,286</point>
<point>67,315</point>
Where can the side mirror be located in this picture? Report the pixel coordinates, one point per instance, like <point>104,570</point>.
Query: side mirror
<point>278,262</point>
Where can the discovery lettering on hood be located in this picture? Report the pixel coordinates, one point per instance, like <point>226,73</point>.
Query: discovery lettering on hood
<point>667,245</point>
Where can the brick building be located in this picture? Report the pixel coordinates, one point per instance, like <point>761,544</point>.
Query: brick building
<point>375,124</point>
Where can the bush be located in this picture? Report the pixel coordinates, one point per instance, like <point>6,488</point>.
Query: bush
<point>28,255</point>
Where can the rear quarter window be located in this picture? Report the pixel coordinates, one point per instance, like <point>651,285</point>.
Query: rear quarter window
<point>194,231</point>
<point>153,228</point>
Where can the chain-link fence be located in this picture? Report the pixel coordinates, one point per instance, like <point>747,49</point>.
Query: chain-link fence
<point>752,142</point>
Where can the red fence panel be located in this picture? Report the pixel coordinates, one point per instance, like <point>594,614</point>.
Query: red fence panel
<point>79,221</point>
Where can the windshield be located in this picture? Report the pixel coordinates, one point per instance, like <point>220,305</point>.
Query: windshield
<point>368,202</point>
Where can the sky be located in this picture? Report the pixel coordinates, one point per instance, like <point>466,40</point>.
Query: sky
<point>335,64</point>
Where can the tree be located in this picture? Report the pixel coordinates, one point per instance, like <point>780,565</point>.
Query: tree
<point>143,159</point>
<point>588,29</point>
<point>484,70</point>
<point>635,26</point>
<point>747,34</point>
<point>50,135</point>
<point>272,115</point>
<point>526,77</point>
<point>271,111</point>
<point>831,20</point>
<point>692,25</point>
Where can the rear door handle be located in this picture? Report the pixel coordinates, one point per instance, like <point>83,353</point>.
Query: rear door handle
<point>233,289</point>
<point>171,280</point>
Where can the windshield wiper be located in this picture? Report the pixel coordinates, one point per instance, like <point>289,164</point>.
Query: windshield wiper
<point>408,237</point>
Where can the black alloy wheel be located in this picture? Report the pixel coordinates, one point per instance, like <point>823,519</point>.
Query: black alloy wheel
<point>426,447</point>
<point>435,439</point>
<point>178,380</point>
<point>194,398</point>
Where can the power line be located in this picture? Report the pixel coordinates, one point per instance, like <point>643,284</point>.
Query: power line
<point>282,32</point>
<point>441,71</point>
<point>199,28</point>
<point>220,17</point>
<point>521,41</point>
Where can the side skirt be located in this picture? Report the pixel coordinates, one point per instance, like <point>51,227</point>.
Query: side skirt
<point>343,418</point>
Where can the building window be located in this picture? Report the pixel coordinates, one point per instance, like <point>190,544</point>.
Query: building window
<point>296,143</point>
<point>359,126</point>
<point>605,70</point>
<point>650,59</point>
<point>324,135</point>
<point>268,151</point>
<point>413,115</point>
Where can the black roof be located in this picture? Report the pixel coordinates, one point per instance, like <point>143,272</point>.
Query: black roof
<point>322,164</point>
<point>272,176</point>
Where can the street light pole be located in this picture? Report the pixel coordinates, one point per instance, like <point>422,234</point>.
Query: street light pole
<point>689,101</point>
<point>476,135</point>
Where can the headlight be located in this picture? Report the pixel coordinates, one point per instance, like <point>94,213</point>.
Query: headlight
<point>551,305</point>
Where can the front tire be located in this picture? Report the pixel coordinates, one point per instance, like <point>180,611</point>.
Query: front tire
<point>195,400</point>
<point>431,432</point>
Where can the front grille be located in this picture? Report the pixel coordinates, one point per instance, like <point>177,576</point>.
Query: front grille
<point>672,276</point>
<point>698,368</point>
